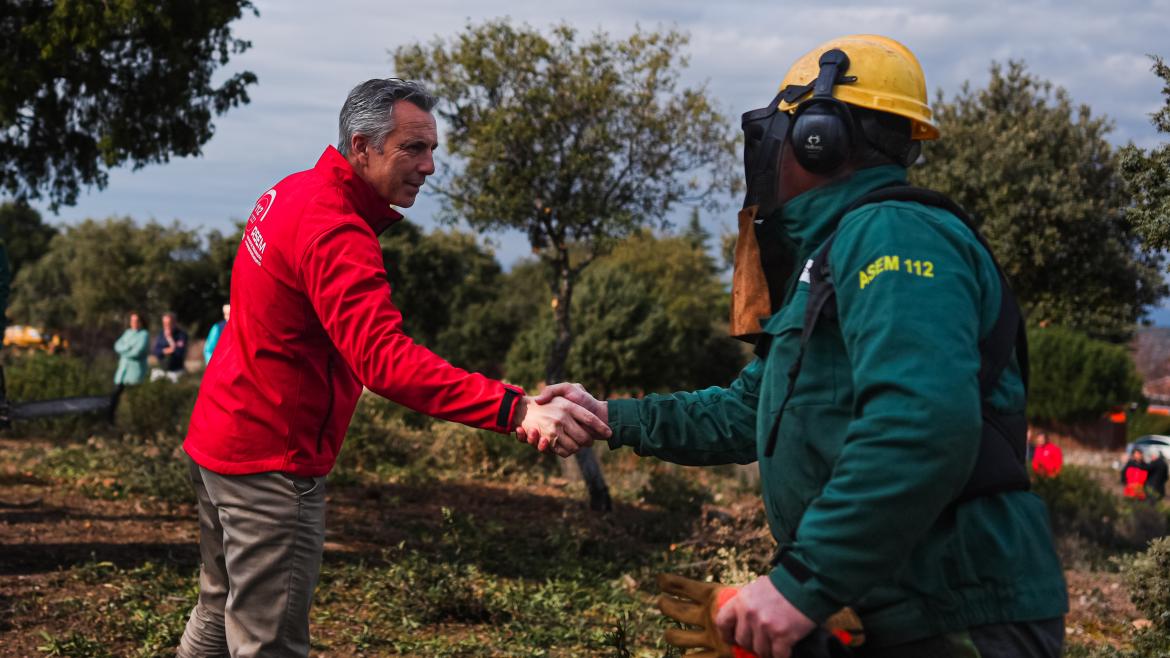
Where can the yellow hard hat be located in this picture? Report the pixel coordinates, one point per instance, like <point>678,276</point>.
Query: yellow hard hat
<point>889,79</point>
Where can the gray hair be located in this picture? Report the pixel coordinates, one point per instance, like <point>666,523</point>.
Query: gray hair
<point>369,109</point>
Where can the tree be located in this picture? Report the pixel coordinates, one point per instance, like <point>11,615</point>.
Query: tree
<point>1040,176</point>
<point>483,333</point>
<point>88,86</point>
<point>95,273</point>
<point>24,234</point>
<point>1075,378</point>
<point>206,281</point>
<point>575,142</point>
<point>650,316</point>
<point>453,295</point>
<point>1148,174</point>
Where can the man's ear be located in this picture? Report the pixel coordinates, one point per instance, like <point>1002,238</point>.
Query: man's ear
<point>359,145</point>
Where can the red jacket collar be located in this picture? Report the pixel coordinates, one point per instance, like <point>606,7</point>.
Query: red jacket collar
<point>372,208</point>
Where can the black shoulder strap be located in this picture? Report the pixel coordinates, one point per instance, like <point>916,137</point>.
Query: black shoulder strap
<point>1001,463</point>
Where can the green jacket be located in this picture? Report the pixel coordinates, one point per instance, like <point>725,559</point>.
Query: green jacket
<point>881,432</point>
<point>132,347</point>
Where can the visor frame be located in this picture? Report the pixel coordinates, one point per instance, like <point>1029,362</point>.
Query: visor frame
<point>764,132</point>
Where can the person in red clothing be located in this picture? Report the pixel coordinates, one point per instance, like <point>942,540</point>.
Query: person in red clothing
<point>312,323</point>
<point>1134,475</point>
<point>1047,457</point>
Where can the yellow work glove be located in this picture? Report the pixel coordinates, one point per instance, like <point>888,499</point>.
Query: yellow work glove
<point>695,603</point>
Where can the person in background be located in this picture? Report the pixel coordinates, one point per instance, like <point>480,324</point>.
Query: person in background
<point>132,348</point>
<point>1134,475</point>
<point>170,348</point>
<point>214,334</point>
<point>1047,457</point>
<point>1156,480</point>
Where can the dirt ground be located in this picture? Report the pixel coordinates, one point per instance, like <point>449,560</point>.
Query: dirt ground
<point>45,531</point>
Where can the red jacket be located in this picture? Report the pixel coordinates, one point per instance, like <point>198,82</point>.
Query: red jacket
<point>1047,460</point>
<point>312,322</point>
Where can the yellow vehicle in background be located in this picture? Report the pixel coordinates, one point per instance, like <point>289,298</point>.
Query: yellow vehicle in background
<point>31,338</point>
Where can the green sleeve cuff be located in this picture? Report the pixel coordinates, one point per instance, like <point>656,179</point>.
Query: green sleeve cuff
<point>803,595</point>
<point>625,423</point>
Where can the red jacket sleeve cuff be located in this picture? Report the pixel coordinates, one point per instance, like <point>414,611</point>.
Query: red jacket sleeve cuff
<point>509,406</point>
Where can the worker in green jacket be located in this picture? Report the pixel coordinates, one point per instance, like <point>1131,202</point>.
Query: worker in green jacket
<point>865,454</point>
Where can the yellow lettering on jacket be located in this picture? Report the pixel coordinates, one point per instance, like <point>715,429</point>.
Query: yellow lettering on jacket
<point>879,265</point>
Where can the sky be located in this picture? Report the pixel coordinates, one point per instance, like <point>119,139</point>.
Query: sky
<point>308,54</point>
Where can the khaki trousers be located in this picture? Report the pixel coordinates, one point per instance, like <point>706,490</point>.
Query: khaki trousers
<point>261,538</point>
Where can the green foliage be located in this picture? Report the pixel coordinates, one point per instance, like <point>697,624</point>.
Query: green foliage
<point>42,376</point>
<point>109,470</point>
<point>95,273</point>
<point>564,598</point>
<point>1076,378</point>
<point>620,331</point>
<point>91,86</point>
<point>1084,511</point>
<point>1141,424</point>
<point>1147,173</point>
<point>144,607</point>
<point>684,280</point>
<point>25,236</point>
<point>649,316</point>
<point>157,408</point>
<point>576,142</point>
<point>73,645</point>
<point>377,440</point>
<point>1078,505</point>
<point>672,489</point>
<point>1148,578</point>
<point>453,296</point>
<point>386,441</point>
<point>1040,175</point>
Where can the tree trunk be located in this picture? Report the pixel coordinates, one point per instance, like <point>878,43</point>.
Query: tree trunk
<point>587,462</point>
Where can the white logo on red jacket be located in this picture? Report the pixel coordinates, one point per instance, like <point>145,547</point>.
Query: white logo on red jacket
<point>263,204</point>
<point>255,243</point>
<point>253,239</point>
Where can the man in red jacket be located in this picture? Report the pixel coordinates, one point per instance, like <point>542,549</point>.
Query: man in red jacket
<point>312,323</point>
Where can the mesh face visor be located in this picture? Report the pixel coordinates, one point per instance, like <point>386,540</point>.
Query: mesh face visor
<point>764,131</point>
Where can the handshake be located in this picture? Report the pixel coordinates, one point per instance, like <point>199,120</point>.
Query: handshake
<point>564,418</point>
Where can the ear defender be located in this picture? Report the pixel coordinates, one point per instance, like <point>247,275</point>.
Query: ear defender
<point>822,128</point>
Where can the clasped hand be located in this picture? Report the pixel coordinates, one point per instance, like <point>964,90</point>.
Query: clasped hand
<point>564,418</point>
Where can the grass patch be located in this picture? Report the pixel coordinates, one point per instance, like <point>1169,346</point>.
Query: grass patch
<point>108,469</point>
<point>139,612</point>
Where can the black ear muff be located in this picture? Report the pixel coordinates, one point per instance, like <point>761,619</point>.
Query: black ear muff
<point>822,128</point>
<point>822,135</point>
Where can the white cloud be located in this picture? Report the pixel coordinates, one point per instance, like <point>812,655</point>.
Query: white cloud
<point>309,54</point>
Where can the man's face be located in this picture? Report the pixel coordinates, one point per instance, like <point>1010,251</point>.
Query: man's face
<point>168,323</point>
<point>135,322</point>
<point>397,170</point>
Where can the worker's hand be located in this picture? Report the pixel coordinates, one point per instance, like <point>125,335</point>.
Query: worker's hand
<point>559,425</point>
<point>575,393</point>
<point>694,603</point>
<point>762,620</point>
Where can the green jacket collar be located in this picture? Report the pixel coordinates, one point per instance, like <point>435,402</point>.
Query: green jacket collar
<point>807,219</point>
